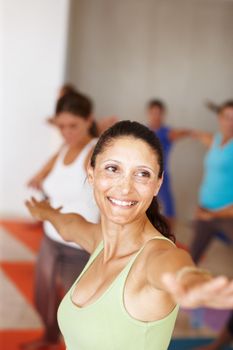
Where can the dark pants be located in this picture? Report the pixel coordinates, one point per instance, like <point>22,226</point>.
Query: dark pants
<point>205,231</point>
<point>230,324</point>
<point>57,267</point>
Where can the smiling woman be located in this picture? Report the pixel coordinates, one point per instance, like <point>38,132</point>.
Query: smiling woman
<point>128,294</point>
<point>137,162</point>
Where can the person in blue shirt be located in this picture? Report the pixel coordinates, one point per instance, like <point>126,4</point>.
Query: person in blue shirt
<point>156,116</point>
<point>215,211</point>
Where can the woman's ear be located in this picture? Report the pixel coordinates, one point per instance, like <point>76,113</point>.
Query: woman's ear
<point>159,184</point>
<point>51,120</point>
<point>90,174</point>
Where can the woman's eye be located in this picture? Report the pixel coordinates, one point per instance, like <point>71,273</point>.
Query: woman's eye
<point>143,174</point>
<point>111,168</point>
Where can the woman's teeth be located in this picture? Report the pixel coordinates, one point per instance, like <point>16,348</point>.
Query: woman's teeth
<point>122,203</point>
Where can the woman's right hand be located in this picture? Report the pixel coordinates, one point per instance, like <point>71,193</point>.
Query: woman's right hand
<point>40,209</point>
<point>205,291</point>
<point>205,138</point>
<point>72,227</point>
<point>35,183</point>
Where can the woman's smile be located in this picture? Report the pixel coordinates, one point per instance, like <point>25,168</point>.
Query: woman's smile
<point>125,179</point>
<point>122,203</point>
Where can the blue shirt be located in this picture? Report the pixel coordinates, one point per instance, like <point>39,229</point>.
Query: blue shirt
<point>163,136</point>
<point>216,190</point>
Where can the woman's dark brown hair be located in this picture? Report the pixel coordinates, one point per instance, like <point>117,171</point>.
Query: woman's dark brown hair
<point>79,105</point>
<point>137,131</point>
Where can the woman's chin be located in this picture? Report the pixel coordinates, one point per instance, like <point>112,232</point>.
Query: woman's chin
<point>119,219</point>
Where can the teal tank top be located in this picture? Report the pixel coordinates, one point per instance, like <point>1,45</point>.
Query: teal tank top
<point>216,190</point>
<point>106,325</point>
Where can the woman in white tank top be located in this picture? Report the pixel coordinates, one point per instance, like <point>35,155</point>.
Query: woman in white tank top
<point>63,181</point>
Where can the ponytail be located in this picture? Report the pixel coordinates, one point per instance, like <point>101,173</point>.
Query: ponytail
<point>158,220</point>
<point>93,131</point>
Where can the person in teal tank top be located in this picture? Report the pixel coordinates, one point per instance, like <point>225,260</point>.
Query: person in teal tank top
<point>128,295</point>
<point>215,212</point>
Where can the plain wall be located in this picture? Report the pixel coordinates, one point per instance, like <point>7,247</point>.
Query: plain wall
<point>125,52</point>
<point>33,44</point>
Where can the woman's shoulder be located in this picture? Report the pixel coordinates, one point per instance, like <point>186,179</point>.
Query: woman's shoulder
<point>163,253</point>
<point>157,247</point>
<point>160,243</point>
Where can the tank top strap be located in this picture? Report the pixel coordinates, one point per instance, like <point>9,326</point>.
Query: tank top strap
<point>61,154</point>
<point>96,252</point>
<point>86,149</point>
<point>81,156</point>
<point>132,260</point>
<point>94,255</point>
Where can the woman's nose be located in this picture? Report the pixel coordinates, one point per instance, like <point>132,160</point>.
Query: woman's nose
<point>126,184</point>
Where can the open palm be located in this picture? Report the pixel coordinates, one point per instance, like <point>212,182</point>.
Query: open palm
<point>39,208</point>
<point>216,293</point>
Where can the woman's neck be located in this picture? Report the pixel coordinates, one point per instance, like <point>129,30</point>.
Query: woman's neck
<point>74,150</point>
<point>80,144</point>
<point>122,240</point>
<point>226,139</point>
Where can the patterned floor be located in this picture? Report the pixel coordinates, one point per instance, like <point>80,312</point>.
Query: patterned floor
<point>19,322</point>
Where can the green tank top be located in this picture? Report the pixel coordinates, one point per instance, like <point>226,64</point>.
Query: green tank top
<point>106,325</point>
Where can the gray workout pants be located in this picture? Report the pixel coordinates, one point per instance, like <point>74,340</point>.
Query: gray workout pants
<point>57,267</point>
<point>205,231</point>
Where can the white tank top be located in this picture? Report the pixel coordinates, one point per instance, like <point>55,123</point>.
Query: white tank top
<point>68,186</point>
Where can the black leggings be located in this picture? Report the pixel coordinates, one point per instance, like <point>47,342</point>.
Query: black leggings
<point>230,324</point>
<point>205,231</point>
<point>58,265</point>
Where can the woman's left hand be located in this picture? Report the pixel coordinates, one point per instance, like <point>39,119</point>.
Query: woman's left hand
<point>216,293</point>
<point>204,214</point>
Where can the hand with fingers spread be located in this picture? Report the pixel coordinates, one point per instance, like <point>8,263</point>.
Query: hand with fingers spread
<point>72,227</point>
<point>40,209</point>
<point>193,292</point>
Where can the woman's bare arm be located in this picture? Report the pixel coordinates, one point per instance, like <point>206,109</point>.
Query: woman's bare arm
<point>205,214</point>
<point>173,271</point>
<point>177,134</point>
<point>205,138</point>
<point>36,180</point>
<point>71,227</point>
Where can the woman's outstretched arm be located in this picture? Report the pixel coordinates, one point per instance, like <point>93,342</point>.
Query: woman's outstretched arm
<point>36,181</point>
<point>224,213</point>
<point>72,227</point>
<point>173,271</point>
<point>206,138</point>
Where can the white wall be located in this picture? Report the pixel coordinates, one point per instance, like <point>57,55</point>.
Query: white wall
<point>34,57</point>
<point>124,52</point>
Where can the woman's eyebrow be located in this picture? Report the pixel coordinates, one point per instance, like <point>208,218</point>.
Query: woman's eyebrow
<point>137,166</point>
<point>145,167</point>
<point>111,160</point>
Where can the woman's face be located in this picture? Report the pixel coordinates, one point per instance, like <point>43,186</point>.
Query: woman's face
<point>125,179</point>
<point>226,121</point>
<point>155,117</point>
<point>73,128</point>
